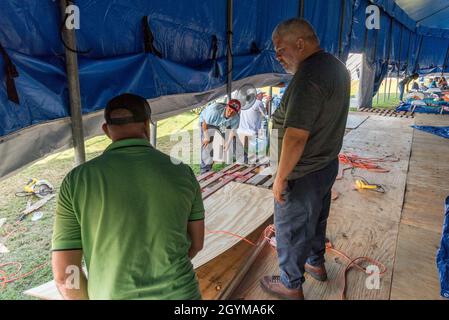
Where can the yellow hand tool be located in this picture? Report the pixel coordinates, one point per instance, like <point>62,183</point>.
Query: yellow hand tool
<point>362,184</point>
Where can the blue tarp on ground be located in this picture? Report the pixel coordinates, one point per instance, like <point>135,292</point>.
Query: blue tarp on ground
<point>185,33</point>
<point>442,258</point>
<point>439,131</point>
<point>421,109</point>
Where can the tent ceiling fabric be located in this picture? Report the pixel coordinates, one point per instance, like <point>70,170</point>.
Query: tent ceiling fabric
<point>427,13</point>
<point>191,37</point>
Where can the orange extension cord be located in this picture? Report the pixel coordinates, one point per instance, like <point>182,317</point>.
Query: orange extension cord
<point>269,232</point>
<point>6,277</point>
<point>370,164</point>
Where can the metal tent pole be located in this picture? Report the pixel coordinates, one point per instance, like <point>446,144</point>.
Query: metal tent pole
<point>229,50</point>
<point>69,38</point>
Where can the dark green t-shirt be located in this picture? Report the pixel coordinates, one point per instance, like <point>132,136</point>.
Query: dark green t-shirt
<point>317,100</point>
<point>128,210</point>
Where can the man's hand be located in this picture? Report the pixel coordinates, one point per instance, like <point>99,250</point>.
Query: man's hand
<point>206,141</point>
<point>292,148</point>
<point>279,187</point>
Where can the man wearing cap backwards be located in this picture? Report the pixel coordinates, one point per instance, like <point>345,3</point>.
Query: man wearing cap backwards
<point>135,217</point>
<point>216,116</point>
<point>310,124</point>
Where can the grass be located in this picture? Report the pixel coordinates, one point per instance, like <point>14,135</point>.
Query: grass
<point>31,247</point>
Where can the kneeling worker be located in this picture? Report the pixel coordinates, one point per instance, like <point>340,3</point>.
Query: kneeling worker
<point>216,116</point>
<point>135,217</point>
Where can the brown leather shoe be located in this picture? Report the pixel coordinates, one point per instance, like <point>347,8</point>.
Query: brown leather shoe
<point>273,285</point>
<point>319,273</point>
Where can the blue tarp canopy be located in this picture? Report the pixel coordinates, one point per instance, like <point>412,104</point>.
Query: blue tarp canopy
<point>191,68</point>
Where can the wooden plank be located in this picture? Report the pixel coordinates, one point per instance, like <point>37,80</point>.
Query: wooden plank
<point>217,275</point>
<point>427,183</point>
<point>241,176</point>
<point>47,291</point>
<point>218,176</point>
<point>236,208</point>
<point>269,183</point>
<point>415,273</point>
<point>258,179</point>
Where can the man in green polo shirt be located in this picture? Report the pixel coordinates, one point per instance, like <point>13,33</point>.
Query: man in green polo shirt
<point>135,217</point>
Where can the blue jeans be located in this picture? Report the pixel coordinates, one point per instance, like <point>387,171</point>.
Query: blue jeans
<point>301,223</point>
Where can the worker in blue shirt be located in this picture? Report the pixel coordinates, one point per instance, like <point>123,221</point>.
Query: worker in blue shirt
<point>216,116</point>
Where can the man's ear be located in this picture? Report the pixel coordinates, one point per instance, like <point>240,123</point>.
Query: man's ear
<point>300,43</point>
<point>106,130</point>
<point>147,128</point>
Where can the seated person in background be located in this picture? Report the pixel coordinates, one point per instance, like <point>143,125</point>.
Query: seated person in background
<point>433,83</point>
<point>442,84</point>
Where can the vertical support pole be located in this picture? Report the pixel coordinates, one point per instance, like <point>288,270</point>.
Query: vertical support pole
<point>445,62</point>
<point>390,39</point>
<point>153,134</point>
<point>301,9</point>
<point>342,24</point>
<point>399,62</point>
<point>229,50</point>
<point>389,89</point>
<point>71,58</point>
<point>270,103</point>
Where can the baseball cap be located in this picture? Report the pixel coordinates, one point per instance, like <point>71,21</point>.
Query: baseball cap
<point>235,105</point>
<point>137,105</point>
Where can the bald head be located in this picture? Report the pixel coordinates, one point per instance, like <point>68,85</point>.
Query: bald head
<point>294,41</point>
<point>296,28</point>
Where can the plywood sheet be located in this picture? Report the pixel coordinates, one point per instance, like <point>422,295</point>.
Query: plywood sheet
<point>415,272</point>
<point>236,208</point>
<point>47,291</point>
<point>376,143</point>
<point>427,181</point>
<point>354,234</point>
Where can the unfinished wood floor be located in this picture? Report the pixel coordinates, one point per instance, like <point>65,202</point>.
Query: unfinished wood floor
<point>398,228</point>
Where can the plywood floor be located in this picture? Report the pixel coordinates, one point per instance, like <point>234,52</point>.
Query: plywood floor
<point>397,228</point>
<point>415,272</point>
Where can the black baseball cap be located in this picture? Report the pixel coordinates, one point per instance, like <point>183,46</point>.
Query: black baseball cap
<point>137,105</point>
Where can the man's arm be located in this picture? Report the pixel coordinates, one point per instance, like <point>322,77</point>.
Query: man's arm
<point>195,230</point>
<point>68,274</point>
<point>292,149</point>
<point>206,138</point>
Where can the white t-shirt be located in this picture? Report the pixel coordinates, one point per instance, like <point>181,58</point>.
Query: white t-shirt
<point>251,119</point>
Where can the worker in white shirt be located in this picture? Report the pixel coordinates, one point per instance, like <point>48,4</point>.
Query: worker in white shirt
<point>251,124</point>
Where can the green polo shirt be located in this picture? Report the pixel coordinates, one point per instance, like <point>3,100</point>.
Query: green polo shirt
<point>128,210</point>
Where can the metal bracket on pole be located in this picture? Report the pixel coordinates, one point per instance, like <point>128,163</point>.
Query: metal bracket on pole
<point>71,58</point>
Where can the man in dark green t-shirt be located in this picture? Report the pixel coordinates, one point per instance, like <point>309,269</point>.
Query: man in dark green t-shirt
<point>135,216</point>
<point>309,124</point>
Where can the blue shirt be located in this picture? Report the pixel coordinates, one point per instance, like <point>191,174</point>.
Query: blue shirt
<point>214,115</point>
